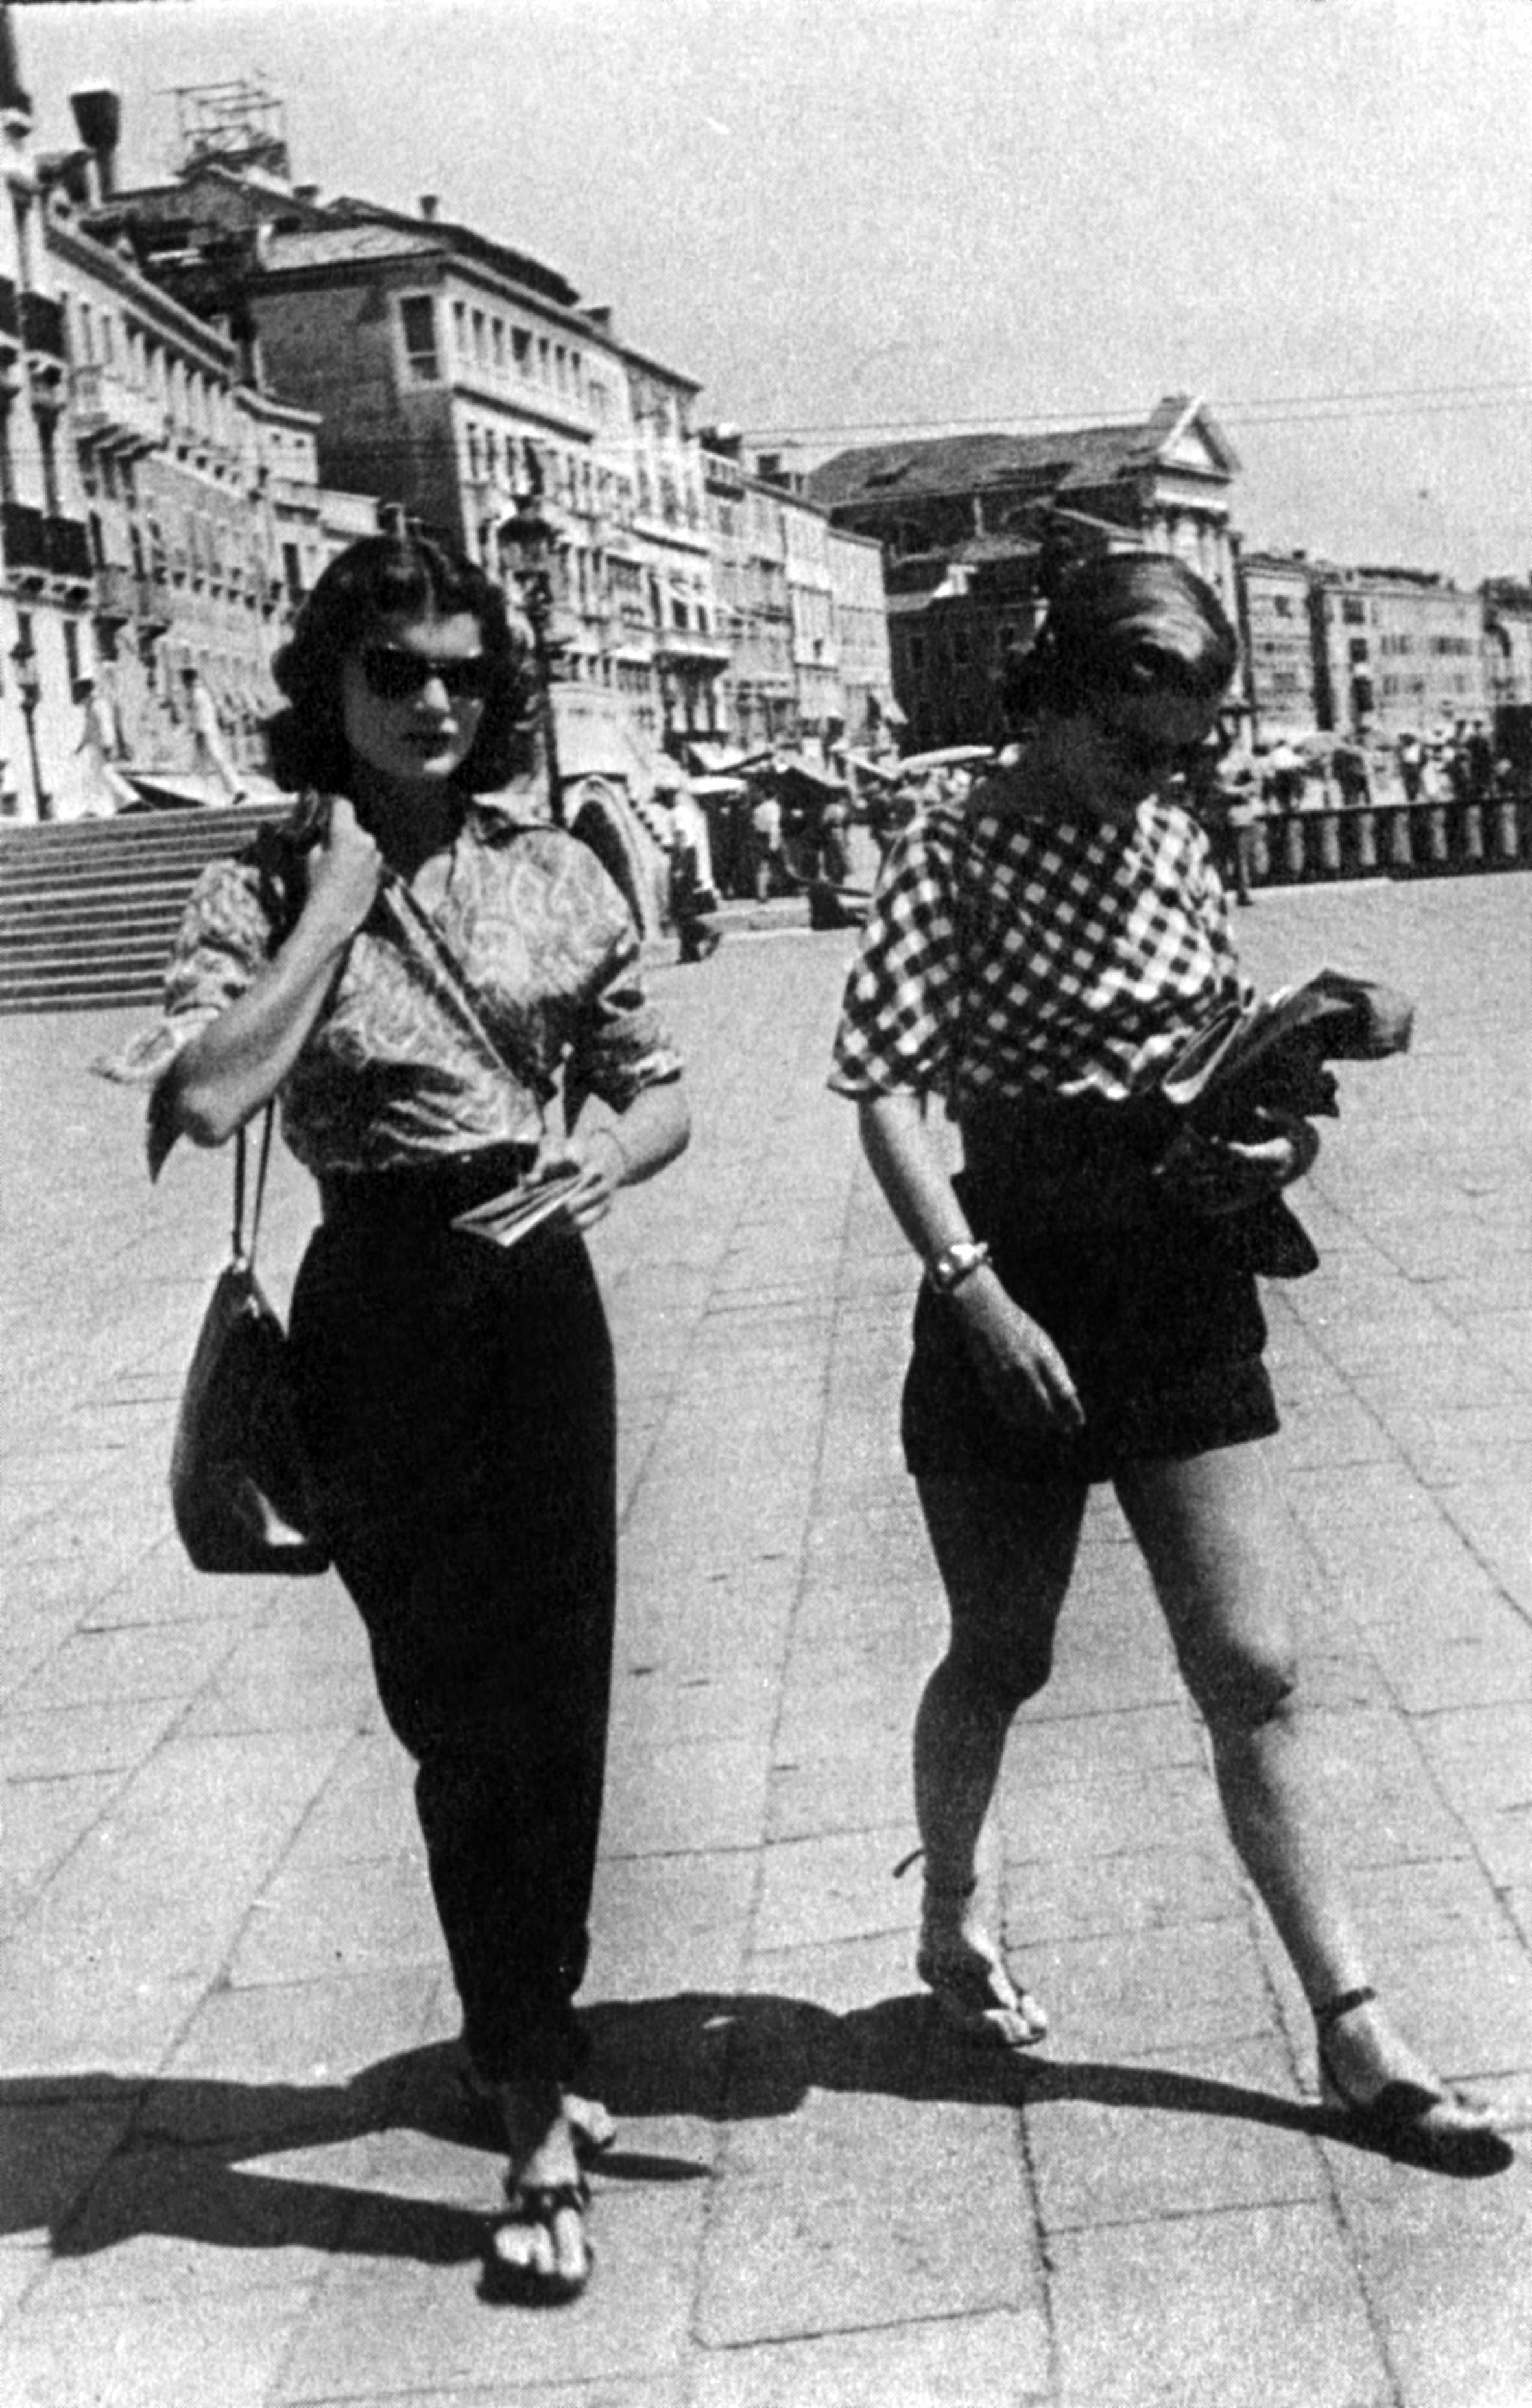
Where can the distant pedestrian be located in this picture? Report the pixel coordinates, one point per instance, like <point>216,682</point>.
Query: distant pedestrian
<point>210,751</point>
<point>766,857</point>
<point>692,897</point>
<point>1284,771</point>
<point>1348,767</point>
<point>834,860</point>
<point>102,787</point>
<point>1411,760</point>
<point>1480,750</point>
<point>1031,961</point>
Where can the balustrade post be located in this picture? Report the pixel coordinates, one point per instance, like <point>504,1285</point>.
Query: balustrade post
<point>1400,851</point>
<point>1366,825</point>
<point>1294,844</point>
<point>1328,848</point>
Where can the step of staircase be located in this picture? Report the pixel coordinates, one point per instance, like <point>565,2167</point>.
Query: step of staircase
<point>88,908</point>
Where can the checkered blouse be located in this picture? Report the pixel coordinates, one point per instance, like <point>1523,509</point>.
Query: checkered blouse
<point>1006,954</point>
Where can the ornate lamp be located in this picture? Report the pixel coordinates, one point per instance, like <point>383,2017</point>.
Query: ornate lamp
<point>29,687</point>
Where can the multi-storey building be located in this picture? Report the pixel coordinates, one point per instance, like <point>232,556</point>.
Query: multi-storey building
<point>1397,651</point>
<point>669,534</point>
<point>44,554</point>
<point>1277,625</point>
<point>162,515</point>
<point>805,609</point>
<point>966,522</point>
<point>1507,642</point>
<point>810,603</point>
<point>750,565</point>
<point>860,604</point>
<point>464,382</point>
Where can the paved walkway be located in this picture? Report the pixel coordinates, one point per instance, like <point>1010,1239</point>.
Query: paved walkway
<point>236,2168</point>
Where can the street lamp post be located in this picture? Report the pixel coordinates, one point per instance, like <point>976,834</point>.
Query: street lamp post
<point>530,543</point>
<point>29,688</point>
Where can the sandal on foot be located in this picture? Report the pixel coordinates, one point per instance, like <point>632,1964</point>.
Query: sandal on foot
<point>1428,2126</point>
<point>976,1995</point>
<point>533,2207</point>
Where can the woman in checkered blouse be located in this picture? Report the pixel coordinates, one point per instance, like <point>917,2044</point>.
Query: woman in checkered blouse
<point>1033,959</point>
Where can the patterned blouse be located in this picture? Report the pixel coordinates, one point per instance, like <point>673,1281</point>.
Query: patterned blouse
<point>1006,954</point>
<point>392,1074</point>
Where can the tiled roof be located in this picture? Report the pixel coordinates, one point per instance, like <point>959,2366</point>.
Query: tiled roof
<point>960,463</point>
<point>1070,460</point>
<point>327,246</point>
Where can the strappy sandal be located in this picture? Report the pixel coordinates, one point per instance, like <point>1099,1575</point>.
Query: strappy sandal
<point>975,1995</point>
<point>593,2128</point>
<point>533,2207</point>
<point>1429,2127</point>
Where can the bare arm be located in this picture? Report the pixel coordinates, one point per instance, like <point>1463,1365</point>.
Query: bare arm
<point>240,1060</point>
<point>1022,1371</point>
<point>621,1153</point>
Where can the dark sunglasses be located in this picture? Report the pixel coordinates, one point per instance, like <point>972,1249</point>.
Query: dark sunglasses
<point>1150,756</point>
<point>396,676</point>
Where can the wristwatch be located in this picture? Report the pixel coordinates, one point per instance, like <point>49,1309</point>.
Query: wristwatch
<point>956,1263</point>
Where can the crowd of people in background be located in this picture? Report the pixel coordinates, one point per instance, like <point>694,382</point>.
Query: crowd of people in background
<point>777,831</point>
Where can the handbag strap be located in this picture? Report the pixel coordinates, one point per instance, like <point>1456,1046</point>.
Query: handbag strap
<point>241,1253</point>
<point>470,1003</point>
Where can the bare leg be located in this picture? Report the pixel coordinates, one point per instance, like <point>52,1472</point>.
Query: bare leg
<point>1004,1553</point>
<point>1218,1548</point>
<point>548,2248</point>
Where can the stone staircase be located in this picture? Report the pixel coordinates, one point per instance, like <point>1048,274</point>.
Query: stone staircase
<point>88,907</point>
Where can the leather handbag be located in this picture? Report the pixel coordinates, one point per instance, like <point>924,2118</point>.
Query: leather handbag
<point>241,1489</point>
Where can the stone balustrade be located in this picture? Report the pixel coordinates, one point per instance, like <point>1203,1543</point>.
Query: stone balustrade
<point>1392,839</point>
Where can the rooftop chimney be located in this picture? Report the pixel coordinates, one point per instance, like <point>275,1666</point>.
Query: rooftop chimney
<point>430,204</point>
<point>98,119</point>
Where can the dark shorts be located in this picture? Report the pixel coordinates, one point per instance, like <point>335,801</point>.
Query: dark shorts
<point>1163,1336</point>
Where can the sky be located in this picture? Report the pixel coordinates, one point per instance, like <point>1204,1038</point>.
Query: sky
<point>845,217</point>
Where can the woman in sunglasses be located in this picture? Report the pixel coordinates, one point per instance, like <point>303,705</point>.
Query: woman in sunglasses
<point>1033,959</point>
<point>412,977</point>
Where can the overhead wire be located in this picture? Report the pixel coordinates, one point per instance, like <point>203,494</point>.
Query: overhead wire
<point>1292,409</point>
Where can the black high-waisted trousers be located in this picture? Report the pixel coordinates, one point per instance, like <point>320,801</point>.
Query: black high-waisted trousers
<point>458,1400</point>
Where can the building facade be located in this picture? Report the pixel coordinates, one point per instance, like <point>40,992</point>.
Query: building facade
<point>750,565</point>
<point>1397,651</point>
<point>1508,643</point>
<point>1277,620</point>
<point>969,522</point>
<point>860,605</point>
<point>464,382</point>
<point>46,581</point>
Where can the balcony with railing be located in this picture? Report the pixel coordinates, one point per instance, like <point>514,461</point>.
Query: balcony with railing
<point>111,415</point>
<point>35,542</point>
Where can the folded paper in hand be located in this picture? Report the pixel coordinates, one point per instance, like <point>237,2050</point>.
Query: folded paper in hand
<point>1264,1056</point>
<point>505,1219</point>
<point>1270,1052</point>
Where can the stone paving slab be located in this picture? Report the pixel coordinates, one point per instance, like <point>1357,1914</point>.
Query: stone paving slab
<point>236,2162</point>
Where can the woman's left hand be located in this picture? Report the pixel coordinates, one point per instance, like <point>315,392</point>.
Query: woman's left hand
<point>601,1163</point>
<point>1219,1175</point>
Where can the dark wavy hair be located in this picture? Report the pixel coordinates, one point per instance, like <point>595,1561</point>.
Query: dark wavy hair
<point>1124,624</point>
<point>377,582</point>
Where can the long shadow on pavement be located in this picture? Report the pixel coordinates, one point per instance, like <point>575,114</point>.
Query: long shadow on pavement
<point>95,2159</point>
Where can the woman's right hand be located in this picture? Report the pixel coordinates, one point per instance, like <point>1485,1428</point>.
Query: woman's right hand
<point>1023,1373</point>
<point>344,871</point>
